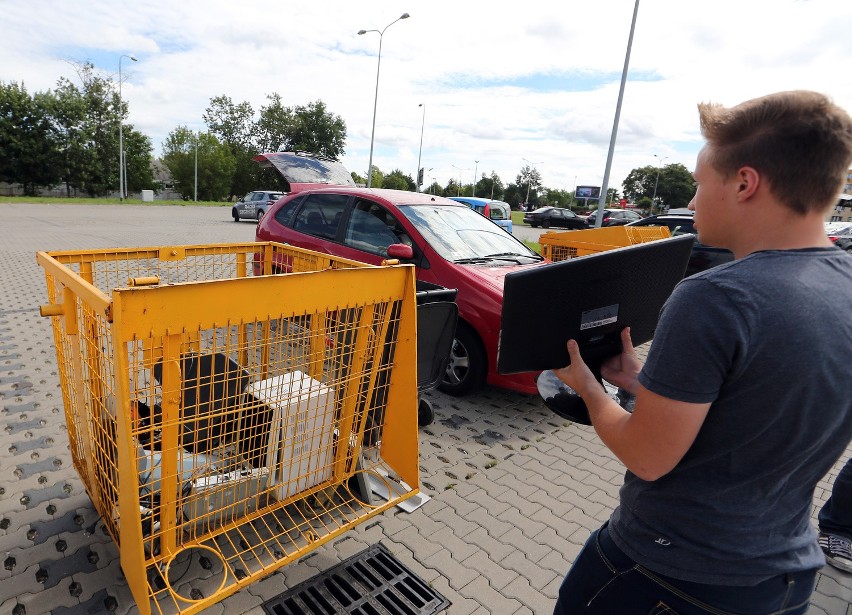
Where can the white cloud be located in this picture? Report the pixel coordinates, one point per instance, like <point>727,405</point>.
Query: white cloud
<point>533,80</point>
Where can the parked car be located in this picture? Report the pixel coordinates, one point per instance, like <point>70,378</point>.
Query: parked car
<point>613,217</point>
<point>254,205</point>
<point>449,244</point>
<point>841,234</point>
<point>499,212</point>
<point>545,217</point>
<point>703,256</point>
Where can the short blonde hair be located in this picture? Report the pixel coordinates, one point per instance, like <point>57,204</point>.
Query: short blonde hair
<point>799,141</point>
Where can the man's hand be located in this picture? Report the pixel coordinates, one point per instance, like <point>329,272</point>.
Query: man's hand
<point>577,374</point>
<point>622,370</point>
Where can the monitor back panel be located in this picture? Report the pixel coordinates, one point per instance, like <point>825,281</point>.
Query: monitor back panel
<point>589,299</point>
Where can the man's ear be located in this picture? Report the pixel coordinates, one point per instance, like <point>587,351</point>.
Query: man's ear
<point>748,181</point>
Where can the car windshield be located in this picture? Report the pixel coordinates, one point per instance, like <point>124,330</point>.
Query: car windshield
<point>461,234</point>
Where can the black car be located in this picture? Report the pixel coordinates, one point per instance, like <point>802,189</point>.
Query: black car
<point>703,256</point>
<point>613,217</point>
<point>545,217</point>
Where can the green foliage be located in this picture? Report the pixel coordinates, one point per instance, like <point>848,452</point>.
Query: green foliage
<point>397,180</point>
<point>27,139</point>
<point>70,135</point>
<point>675,186</point>
<point>216,164</point>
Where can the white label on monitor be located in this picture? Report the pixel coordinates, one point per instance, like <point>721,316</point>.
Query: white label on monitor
<point>598,317</point>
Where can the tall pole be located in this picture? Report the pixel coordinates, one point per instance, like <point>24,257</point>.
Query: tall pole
<point>458,191</point>
<point>420,151</point>
<point>529,180</point>
<point>602,198</point>
<point>657,181</point>
<point>121,171</point>
<point>475,169</point>
<point>376,99</point>
<point>195,197</point>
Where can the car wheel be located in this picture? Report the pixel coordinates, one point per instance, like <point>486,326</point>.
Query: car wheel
<point>235,215</point>
<point>260,213</point>
<point>545,224</point>
<point>466,367</point>
<point>849,250</point>
<point>533,224</point>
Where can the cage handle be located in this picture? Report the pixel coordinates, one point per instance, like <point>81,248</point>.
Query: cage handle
<point>51,309</point>
<point>145,280</point>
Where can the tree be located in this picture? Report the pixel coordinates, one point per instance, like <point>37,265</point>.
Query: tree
<point>558,198</point>
<point>397,180</point>
<point>318,130</point>
<point>216,164</point>
<point>137,160</point>
<point>490,187</point>
<point>675,187</point>
<point>234,125</point>
<point>27,139</point>
<point>435,189</point>
<point>530,179</point>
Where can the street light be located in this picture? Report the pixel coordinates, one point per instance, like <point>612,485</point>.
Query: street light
<point>420,151</point>
<point>657,181</point>
<point>376,99</point>
<point>458,193</point>
<point>529,181</point>
<point>195,194</point>
<point>475,169</point>
<point>121,171</point>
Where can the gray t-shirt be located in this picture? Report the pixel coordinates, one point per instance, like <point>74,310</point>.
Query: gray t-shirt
<point>766,339</point>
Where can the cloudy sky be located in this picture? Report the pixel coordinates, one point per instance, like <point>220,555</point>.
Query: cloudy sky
<point>503,83</point>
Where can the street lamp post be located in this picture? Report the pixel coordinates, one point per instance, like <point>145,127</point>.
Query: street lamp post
<point>420,151</point>
<point>195,194</point>
<point>376,99</point>
<point>458,192</point>
<point>121,171</point>
<point>475,169</point>
<point>657,181</point>
<point>529,181</point>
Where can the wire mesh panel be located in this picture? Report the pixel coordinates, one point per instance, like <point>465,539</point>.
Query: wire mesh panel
<point>560,246</point>
<point>230,420</point>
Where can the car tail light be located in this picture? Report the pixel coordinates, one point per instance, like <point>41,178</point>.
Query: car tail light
<point>833,237</point>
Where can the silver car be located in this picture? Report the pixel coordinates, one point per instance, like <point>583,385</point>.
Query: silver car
<point>254,205</point>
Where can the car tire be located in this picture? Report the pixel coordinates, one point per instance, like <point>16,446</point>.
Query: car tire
<point>260,214</point>
<point>545,224</point>
<point>466,368</point>
<point>235,215</point>
<point>849,250</point>
<point>533,225</point>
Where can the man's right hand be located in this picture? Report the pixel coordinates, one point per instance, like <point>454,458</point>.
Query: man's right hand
<point>622,370</point>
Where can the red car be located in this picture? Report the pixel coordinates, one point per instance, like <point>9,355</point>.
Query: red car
<point>449,244</point>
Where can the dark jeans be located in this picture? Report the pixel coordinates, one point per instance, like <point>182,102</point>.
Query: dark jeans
<point>835,517</point>
<point>604,581</point>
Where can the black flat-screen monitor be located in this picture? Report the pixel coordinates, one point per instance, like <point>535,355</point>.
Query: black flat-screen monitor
<point>589,299</point>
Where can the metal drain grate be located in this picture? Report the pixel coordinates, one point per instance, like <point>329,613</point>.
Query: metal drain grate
<point>372,582</point>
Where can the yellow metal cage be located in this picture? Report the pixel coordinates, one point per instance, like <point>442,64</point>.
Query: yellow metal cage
<point>237,404</point>
<point>560,246</point>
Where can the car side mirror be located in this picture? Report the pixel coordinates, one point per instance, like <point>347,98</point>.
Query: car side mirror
<point>400,251</point>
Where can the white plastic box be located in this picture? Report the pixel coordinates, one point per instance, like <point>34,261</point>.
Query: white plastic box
<point>299,451</point>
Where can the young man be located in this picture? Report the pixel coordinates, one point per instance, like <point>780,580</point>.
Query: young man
<point>743,404</point>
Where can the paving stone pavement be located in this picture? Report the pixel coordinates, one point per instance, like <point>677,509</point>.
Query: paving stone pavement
<point>515,489</point>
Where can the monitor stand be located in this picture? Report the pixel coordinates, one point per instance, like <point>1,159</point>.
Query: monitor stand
<point>568,404</point>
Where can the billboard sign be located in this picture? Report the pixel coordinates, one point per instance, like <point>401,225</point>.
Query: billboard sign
<point>588,192</point>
